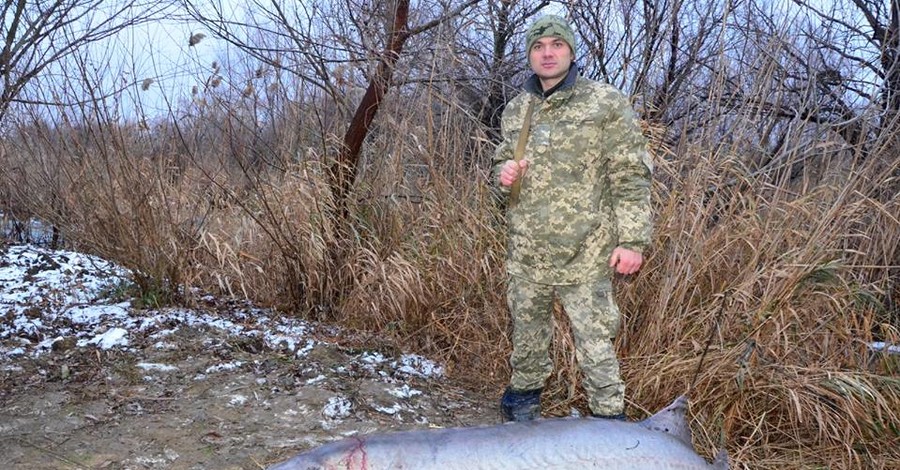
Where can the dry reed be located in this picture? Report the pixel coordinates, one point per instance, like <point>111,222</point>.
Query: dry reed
<point>791,275</point>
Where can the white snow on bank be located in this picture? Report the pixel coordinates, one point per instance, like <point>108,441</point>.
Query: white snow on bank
<point>388,410</point>
<point>47,296</point>
<point>224,367</point>
<point>418,366</point>
<point>111,338</point>
<point>404,392</point>
<point>237,400</point>
<point>337,407</point>
<point>32,277</point>
<point>408,364</point>
<point>155,367</point>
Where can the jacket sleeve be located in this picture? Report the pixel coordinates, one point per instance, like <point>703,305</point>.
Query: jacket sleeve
<point>630,171</point>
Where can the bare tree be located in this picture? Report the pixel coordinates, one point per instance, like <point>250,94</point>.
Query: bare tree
<point>650,48</point>
<point>371,33</point>
<point>868,34</point>
<point>346,166</point>
<point>503,61</point>
<point>38,34</point>
<point>833,64</point>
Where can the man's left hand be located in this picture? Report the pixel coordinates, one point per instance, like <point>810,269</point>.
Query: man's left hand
<point>625,261</point>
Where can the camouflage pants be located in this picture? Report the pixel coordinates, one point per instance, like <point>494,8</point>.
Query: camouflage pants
<point>595,321</point>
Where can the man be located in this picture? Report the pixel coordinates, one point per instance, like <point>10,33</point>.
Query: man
<point>583,213</point>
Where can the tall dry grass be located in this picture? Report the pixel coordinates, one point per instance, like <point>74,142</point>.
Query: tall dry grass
<point>108,192</point>
<point>791,270</point>
<point>419,259</point>
<point>786,278</point>
<point>796,269</point>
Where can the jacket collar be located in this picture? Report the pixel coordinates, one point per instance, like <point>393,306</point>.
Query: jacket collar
<point>533,84</point>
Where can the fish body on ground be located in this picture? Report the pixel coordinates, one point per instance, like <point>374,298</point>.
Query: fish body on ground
<point>662,441</point>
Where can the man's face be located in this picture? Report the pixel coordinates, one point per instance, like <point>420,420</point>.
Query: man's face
<point>550,59</point>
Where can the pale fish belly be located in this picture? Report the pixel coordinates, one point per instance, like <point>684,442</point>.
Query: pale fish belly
<point>563,444</point>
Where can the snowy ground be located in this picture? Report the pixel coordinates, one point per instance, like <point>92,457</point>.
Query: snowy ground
<point>89,381</point>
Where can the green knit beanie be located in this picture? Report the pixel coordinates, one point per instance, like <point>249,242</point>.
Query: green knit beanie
<point>549,25</point>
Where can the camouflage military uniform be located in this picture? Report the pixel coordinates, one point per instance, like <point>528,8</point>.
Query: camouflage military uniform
<point>586,191</point>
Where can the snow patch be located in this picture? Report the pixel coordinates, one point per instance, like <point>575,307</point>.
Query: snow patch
<point>156,367</point>
<point>224,367</point>
<point>111,338</point>
<point>337,407</point>
<point>316,379</point>
<point>391,410</point>
<point>237,400</point>
<point>412,364</point>
<point>404,392</point>
<point>52,295</point>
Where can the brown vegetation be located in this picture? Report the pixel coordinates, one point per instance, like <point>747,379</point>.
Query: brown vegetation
<point>776,234</point>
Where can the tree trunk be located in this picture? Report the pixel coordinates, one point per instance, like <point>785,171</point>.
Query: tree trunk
<point>343,171</point>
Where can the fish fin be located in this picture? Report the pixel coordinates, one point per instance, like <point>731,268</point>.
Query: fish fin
<point>671,420</point>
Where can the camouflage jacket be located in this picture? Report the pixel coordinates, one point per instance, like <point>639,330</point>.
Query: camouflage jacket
<point>587,188</point>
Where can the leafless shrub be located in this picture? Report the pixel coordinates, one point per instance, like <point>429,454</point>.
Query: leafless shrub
<point>775,201</point>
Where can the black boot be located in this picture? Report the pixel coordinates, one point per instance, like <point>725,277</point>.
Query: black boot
<point>618,417</point>
<point>524,405</point>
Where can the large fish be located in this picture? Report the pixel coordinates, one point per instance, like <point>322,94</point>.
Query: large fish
<point>659,442</point>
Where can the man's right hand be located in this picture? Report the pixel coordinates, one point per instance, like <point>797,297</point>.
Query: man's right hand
<point>511,171</point>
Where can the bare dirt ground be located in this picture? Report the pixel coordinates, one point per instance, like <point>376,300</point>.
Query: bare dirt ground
<point>225,386</point>
<point>208,401</point>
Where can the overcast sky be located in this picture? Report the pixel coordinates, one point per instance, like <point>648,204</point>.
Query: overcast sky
<point>157,56</point>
